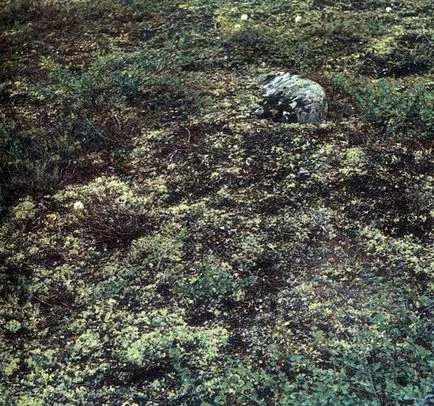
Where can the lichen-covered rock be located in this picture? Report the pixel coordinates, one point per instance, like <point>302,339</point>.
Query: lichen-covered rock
<point>291,98</point>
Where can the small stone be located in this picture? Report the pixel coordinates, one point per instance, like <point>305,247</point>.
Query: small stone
<point>298,19</point>
<point>388,9</point>
<point>291,98</point>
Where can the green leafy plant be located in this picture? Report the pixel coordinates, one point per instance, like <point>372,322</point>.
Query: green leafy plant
<point>115,79</point>
<point>402,111</point>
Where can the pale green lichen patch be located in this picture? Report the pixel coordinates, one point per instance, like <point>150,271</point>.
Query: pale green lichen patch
<point>24,211</point>
<point>355,161</point>
<point>385,45</point>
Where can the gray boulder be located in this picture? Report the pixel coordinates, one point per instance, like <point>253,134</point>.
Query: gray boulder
<point>291,98</point>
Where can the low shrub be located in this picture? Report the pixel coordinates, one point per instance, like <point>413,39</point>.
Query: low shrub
<point>402,111</point>
<point>29,163</point>
<point>117,79</point>
<point>110,210</point>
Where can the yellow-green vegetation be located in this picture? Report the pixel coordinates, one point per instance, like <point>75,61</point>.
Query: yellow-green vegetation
<point>158,246</point>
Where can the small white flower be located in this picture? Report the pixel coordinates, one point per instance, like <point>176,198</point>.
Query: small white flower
<point>237,26</point>
<point>298,18</point>
<point>244,17</point>
<point>78,206</point>
<point>388,9</point>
